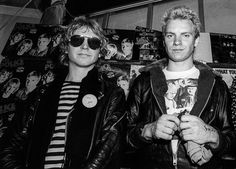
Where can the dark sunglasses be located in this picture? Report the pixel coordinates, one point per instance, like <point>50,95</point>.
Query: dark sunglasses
<point>93,42</point>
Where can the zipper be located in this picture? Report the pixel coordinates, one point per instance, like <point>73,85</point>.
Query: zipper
<point>118,121</point>
<point>174,147</point>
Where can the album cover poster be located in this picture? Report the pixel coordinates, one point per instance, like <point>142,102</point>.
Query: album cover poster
<point>134,71</point>
<point>148,44</point>
<point>20,81</point>
<point>228,73</point>
<point>223,48</point>
<point>33,41</point>
<point>116,72</point>
<point>120,45</point>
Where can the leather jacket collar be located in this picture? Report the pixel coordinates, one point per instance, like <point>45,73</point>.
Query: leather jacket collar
<point>159,87</point>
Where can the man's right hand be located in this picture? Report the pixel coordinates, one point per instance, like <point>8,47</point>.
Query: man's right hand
<point>163,128</point>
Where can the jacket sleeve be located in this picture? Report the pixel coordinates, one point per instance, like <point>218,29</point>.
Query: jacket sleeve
<point>135,112</point>
<point>224,125</point>
<point>112,130</point>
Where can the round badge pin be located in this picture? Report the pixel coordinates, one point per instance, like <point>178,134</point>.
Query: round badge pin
<point>89,100</point>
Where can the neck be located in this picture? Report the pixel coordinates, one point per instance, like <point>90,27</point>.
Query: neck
<point>76,74</point>
<point>180,66</point>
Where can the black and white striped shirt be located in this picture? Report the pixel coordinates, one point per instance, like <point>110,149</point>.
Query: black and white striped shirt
<point>56,150</point>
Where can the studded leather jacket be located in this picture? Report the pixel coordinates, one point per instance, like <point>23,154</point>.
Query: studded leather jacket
<point>25,143</point>
<point>146,104</point>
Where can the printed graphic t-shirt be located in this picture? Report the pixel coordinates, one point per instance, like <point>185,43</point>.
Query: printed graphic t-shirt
<point>180,96</point>
<point>182,90</point>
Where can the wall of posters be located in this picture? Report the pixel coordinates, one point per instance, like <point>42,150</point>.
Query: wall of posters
<point>228,74</point>
<point>20,80</point>
<point>33,41</point>
<point>28,64</point>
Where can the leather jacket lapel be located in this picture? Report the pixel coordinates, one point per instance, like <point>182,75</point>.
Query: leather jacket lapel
<point>205,85</point>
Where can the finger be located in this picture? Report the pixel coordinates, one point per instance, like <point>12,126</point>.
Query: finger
<point>172,118</point>
<point>162,135</point>
<point>187,137</point>
<point>171,125</point>
<point>185,125</point>
<point>188,118</point>
<point>166,130</point>
<point>186,132</point>
<point>175,120</point>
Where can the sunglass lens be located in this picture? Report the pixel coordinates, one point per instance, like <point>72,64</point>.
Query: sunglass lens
<point>94,43</point>
<point>76,40</point>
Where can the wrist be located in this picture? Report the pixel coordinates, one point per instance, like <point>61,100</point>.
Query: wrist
<point>147,132</point>
<point>213,137</point>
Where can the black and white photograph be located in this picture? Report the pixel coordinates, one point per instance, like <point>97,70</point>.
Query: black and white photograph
<point>123,84</point>
<point>120,44</point>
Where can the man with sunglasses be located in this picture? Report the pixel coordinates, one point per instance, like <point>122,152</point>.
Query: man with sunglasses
<point>76,122</point>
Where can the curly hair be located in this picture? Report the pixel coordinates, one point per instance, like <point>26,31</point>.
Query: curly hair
<point>77,23</point>
<point>184,13</point>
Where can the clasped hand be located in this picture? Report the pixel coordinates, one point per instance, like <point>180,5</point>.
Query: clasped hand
<point>191,128</point>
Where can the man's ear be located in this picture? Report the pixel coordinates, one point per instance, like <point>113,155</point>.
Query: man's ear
<point>196,41</point>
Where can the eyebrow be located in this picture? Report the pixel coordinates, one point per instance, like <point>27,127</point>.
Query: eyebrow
<point>192,33</point>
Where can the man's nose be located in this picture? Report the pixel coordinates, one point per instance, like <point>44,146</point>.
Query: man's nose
<point>177,41</point>
<point>85,44</point>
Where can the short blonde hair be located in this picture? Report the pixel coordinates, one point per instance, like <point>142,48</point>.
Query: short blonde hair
<point>184,13</point>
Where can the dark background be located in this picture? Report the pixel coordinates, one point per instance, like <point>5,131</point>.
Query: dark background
<point>74,7</point>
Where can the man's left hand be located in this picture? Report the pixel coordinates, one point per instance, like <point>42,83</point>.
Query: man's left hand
<point>195,129</point>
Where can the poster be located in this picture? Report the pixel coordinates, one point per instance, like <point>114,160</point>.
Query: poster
<point>223,48</point>
<point>228,73</point>
<point>148,44</point>
<point>20,80</point>
<point>117,72</point>
<point>120,45</point>
<point>33,41</point>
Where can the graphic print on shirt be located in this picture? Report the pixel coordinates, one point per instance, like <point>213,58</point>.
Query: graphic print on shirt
<point>181,95</point>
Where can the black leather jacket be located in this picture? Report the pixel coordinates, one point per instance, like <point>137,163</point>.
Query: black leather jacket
<point>24,146</point>
<point>146,104</point>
